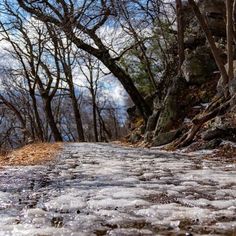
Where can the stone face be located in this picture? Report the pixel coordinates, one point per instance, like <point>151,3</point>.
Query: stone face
<point>197,85</point>
<point>214,143</point>
<point>214,11</point>
<point>212,134</point>
<point>193,70</point>
<point>172,110</point>
<point>198,66</point>
<point>164,138</point>
<point>225,131</point>
<point>215,14</point>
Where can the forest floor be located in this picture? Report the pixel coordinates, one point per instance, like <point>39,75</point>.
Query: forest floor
<point>32,154</point>
<point>105,189</point>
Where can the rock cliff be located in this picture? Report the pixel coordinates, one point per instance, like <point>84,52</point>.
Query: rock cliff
<point>192,88</point>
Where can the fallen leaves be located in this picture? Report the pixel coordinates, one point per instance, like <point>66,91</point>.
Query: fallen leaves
<point>225,153</point>
<point>32,154</point>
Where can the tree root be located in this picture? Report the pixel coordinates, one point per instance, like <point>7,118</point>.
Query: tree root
<point>213,110</point>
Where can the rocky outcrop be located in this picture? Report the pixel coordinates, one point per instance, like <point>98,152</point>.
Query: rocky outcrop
<point>197,85</point>
<point>226,132</point>
<point>214,10</point>
<point>173,106</point>
<point>164,138</point>
<point>197,81</point>
<point>198,65</point>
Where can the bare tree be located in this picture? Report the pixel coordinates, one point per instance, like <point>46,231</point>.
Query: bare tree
<point>67,59</point>
<point>229,30</point>
<point>31,50</point>
<point>77,20</point>
<point>17,53</point>
<point>91,70</point>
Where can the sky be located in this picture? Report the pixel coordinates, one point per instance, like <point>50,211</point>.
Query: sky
<point>111,86</point>
<point>116,39</point>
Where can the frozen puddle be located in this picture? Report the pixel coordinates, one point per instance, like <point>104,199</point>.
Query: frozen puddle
<point>103,189</point>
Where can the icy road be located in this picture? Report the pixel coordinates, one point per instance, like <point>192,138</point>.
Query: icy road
<point>104,189</point>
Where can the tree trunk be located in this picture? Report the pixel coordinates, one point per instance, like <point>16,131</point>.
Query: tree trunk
<point>48,110</point>
<point>128,85</point>
<point>104,56</point>
<point>100,52</point>
<point>103,129</point>
<point>76,110</point>
<point>39,129</point>
<point>229,30</point>
<point>115,126</point>
<point>180,30</point>
<point>95,128</point>
<point>198,122</point>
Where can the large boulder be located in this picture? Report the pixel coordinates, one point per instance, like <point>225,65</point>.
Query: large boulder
<point>198,65</point>
<point>178,104</point>
<point>214,143</point>
<point>214,11</point>
<point>165,138</point>
<point>225,131</point>
<point>151,123</point>
<point>174,107</point>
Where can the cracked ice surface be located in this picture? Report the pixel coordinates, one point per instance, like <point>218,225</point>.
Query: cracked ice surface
<point>104,189</point>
